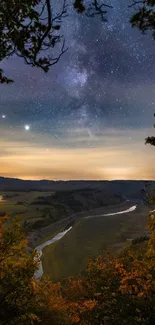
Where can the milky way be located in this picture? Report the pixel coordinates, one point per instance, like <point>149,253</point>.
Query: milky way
<point>100,96</point>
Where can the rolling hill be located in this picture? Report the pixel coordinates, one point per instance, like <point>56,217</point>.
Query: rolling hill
<point>48,207</point>
<point>89,237</point>
<point>126,188</point>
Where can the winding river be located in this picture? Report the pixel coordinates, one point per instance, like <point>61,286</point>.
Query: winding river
<point>39,249</point>
<point>114,213</point>
<point>60,235</point>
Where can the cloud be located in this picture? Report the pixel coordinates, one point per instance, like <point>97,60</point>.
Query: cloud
<point>112,156</point>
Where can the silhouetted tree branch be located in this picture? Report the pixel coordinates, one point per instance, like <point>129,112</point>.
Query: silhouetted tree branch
<point>31,29</point>
<point>27,29</point>
<point>150,140</point>
<point>134,3</point>
<point>98,9</point>
<point>144,17</point>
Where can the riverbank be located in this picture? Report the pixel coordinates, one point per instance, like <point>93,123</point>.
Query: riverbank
<point>39,250</point>
<point>90,236</point>
<point>43,234</point>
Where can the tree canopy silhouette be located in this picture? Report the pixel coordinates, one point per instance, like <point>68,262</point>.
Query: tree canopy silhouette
<point>31,28</point>
<point>150,140</point>
<point>144,17</point>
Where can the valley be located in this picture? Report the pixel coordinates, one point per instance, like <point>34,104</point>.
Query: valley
<point>89,237</point>
<point>107,216</point>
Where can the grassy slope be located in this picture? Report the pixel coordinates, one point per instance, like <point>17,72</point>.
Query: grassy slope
<point>38,212</point>
<point>88,238</point>
<point>31,214</point>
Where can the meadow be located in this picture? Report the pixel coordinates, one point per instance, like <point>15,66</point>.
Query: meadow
<point>90,237</point>
<point>20,204</point>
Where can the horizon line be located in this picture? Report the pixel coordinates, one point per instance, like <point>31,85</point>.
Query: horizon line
<point>79,180</point>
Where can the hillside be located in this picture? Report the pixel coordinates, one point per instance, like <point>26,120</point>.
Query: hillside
<point>47,208</point>
<point>89,237</point>
<point>124,188</point>
<point>43,208</point>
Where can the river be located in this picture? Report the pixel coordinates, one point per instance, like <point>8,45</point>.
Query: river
<point>39,249</point>
<point>60,235</point>
<point>114,213</point>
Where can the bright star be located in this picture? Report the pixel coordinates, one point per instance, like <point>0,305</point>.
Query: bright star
<point>3,116</point>
<point>27,127</point>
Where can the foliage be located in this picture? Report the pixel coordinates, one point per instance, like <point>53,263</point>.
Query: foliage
<point>32,29</point>
<point>144,18</point>
<point>113,290</point>
<point>29,28</point>
<point>140,239</point>
<point>22,299</point>
<point>148,194</point>
<point>150,140</point>
<point>118,290</point>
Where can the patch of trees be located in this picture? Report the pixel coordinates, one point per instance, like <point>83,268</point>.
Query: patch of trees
<point>2,214</point>
<point>41,202</point>
<point>20,203</point>
<point>140,239</point>
<point>10,196</point>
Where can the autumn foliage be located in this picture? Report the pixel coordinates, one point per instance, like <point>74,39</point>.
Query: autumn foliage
<point>118,290</point>
<point>22,299</point>
<point>112,290</point>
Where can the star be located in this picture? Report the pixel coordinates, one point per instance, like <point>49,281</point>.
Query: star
<point>27,127</point>
<point>3,116</point>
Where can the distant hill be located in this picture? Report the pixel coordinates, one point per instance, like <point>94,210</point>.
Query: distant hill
<point>127,189</point>
<point>74,201</point>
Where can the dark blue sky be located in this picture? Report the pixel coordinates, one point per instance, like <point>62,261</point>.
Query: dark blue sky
<point>99,99</point>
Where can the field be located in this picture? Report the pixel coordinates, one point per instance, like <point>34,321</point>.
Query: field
<point>90,237</point>
<point>20,204</point>
<point>42,208</point>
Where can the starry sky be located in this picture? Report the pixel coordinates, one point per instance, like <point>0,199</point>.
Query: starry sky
<point>89,116</point>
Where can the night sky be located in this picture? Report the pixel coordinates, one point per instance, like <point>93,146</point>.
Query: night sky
<point>89,116</point>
